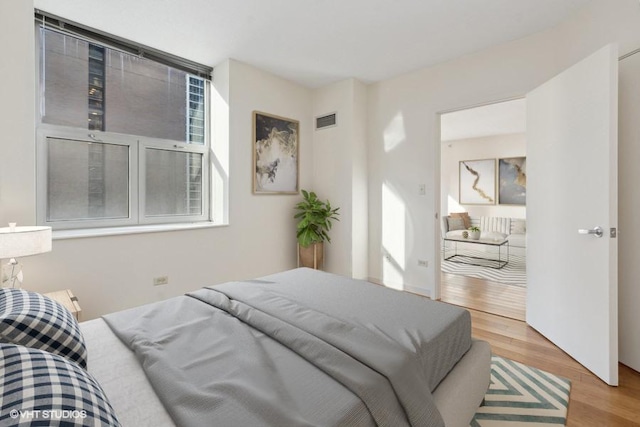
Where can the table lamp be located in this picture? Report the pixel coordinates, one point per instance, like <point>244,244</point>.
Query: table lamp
<point>18,242</point>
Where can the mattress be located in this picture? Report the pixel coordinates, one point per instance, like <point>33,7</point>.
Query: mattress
<point>439,334</point>
<point>458,383</point>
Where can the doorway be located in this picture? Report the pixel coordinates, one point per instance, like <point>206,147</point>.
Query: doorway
<point>483,184</point>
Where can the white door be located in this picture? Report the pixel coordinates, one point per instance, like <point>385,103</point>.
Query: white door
<point>572,148</point>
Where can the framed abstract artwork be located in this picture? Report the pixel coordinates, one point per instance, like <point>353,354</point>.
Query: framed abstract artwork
<point>477,183</point>
<point>275,154</point>
<point>512,181</point>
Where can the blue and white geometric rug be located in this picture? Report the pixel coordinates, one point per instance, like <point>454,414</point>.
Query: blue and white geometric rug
<point>514,273</point>
<point>520,395</point>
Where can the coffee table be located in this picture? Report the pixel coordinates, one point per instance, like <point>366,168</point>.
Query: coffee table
<point>481,261</point>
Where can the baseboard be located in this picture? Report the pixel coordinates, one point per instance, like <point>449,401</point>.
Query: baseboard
<point>420,291</point>
<point>413,289</point>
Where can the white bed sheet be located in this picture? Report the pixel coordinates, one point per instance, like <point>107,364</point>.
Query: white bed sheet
<point>123,380</point>
<point>119,373</point>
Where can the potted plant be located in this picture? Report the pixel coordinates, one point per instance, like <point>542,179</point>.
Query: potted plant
<point>314,222</point>
<point>474,233</point>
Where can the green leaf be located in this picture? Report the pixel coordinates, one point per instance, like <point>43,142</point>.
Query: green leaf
<point>314,218</point>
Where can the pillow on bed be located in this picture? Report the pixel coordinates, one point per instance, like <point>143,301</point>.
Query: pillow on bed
<point>36,321</point>
<point>49,390</point>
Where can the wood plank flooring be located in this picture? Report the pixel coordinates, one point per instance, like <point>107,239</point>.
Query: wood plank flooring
<point>497,313</point>
<point>483,295</point>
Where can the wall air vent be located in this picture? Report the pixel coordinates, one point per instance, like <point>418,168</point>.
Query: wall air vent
<point>326,121</point>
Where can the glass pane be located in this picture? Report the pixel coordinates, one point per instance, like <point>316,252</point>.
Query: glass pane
<point>64,79</point>
<point>154,94</point>
<point>196,110</point>
<point>93,87</point>
<point>95,93</point>
<point>87,180</point>
<point>174,183</point>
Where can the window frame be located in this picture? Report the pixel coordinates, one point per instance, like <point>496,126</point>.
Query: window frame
<point>137,167</point>
<point>136,172</point>
<point>161,144</point>
<point>45,131</point>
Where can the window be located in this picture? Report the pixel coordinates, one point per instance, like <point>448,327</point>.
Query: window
<point>122,139</point>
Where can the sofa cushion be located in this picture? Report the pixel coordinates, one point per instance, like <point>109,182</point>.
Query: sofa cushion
<point>493,223</point>
<point>465,218</point>
<point>455,224</point>
<point>518,226</point>
<point>517,240</point>
<point>493,235</point>
<point>455,234</point>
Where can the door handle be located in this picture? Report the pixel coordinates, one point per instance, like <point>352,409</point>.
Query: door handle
<point>597,231</point>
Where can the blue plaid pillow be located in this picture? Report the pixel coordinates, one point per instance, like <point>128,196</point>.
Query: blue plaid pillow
<point>40,388</point>
<point>36,321</point>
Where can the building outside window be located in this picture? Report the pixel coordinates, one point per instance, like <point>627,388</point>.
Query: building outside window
<point>122,139</point>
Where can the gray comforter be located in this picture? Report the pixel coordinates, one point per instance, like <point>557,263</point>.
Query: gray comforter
<point>297,348</point>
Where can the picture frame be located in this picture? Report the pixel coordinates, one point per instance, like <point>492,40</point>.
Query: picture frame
<point>512,181</point>
<point>477,182</point>
<point>275,147</point>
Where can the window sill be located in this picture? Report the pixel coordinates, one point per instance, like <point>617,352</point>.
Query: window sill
<point>137,229</point>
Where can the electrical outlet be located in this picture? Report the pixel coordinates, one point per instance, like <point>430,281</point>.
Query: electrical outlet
<point>423,263</point>
<point>162,280</point>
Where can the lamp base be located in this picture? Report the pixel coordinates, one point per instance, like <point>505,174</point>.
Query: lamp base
<point>11,274</point>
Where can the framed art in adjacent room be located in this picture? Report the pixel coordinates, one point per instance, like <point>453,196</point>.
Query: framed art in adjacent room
<point>275,154</point>
<point>477,182</point>
<point>512,181</point>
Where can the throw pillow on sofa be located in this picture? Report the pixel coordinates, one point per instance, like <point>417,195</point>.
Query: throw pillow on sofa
<point>455,224</point>
<point>465,218</point>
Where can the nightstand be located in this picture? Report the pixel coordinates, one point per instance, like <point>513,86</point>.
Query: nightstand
<point>67,299</point>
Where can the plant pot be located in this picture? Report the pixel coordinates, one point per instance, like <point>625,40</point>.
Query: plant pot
<point>311,256</point>
<point>474,235</point>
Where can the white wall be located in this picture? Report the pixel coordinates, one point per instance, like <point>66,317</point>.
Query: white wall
<point>403,134</point>
<point>17,110</point>
<point>489,147</point>
<point>116,272</point>
<point>340,174</point>
<point>404,149</point>
<point>359,184</point>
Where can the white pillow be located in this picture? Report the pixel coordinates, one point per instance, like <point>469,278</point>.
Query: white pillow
<point>492,235</point>
<point>519,227</point>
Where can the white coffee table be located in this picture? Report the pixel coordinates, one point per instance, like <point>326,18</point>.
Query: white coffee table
<point>500,244</point>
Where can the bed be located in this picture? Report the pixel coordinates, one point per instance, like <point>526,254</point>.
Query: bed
<point>302,347</point>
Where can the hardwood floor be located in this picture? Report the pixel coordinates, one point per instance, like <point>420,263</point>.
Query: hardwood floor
<point>483,295</point>
<point>591,402</point>
<point>497,312</point>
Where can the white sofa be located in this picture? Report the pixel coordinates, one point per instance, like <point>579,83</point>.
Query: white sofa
<point>513,229</point>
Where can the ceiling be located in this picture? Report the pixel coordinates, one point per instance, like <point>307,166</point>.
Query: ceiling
<point>316,42</point>
<point>495,119</point>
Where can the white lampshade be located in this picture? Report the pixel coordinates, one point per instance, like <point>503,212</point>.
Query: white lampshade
<point>18,242</point>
